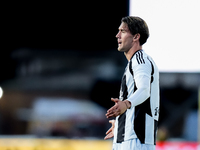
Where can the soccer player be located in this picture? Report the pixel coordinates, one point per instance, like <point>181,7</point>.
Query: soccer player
<point>137,109</point>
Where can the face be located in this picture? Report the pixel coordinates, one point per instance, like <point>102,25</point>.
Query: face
<point>124,38</point>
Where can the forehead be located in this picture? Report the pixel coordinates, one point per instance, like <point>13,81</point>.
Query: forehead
<point>123,26</point>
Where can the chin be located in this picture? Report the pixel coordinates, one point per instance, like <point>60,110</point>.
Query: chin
<point>120,49</point>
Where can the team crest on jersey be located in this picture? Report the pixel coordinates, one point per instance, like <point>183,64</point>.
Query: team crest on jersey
<point>156,111</point>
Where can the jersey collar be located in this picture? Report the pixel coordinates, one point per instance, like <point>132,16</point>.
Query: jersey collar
<point>135,53</point>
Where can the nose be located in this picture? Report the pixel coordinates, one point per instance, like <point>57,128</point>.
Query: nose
<point>118,34</point>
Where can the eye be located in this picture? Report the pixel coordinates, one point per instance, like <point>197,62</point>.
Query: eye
<point>123,31</point>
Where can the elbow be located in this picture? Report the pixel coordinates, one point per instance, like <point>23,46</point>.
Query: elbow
<point>145,91</point>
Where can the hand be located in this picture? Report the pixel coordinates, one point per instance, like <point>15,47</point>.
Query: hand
<point>110,132</point>
<point>119,108</point>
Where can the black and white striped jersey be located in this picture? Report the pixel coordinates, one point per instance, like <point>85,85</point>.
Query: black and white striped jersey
<point>140,85</point>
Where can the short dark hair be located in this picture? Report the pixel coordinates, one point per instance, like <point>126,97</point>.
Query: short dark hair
<point>137,25</point>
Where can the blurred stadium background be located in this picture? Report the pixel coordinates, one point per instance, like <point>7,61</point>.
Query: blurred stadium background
<point>59,69</point>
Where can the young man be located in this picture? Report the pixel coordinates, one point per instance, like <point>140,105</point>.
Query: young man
<point>137,109</point>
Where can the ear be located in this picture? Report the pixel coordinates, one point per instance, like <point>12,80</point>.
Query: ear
<point>136,37</point>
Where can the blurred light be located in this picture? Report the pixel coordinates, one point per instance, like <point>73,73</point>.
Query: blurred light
<point>1,92</point>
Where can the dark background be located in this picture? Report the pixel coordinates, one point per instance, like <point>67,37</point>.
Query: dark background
<point>71,25</point>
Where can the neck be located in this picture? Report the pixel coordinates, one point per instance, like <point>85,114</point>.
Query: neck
<point>132,51</point>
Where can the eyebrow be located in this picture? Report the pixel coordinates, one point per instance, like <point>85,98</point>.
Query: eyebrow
<point>122,29</point>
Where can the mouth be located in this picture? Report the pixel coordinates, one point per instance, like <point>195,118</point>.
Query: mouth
<point>119,43</point>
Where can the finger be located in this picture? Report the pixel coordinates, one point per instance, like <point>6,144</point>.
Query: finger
<point>115,100</point>
<point>110,111</point>
<point>109,115</point>
<point>111,121</point>
<point>113,112</point>
<point>106,137</point>
<point>109,136</point>
<point>109,131</point>
<point>113,108</point>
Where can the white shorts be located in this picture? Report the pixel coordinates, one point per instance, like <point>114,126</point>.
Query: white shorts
<point>133,144</point>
